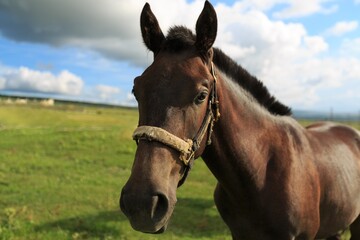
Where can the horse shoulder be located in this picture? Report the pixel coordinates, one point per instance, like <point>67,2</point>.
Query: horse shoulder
<point>299,175</point>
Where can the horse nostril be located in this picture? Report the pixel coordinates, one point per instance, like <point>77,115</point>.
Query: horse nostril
<point>160,206</point>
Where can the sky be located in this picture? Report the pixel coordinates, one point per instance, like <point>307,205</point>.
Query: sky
<point>306,52</point>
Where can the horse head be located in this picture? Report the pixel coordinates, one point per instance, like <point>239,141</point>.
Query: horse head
<point>176,96</point>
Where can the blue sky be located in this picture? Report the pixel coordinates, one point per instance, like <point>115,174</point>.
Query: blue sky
<point>306,52</point>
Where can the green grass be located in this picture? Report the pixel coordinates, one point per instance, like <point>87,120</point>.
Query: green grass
<point>62,169</point>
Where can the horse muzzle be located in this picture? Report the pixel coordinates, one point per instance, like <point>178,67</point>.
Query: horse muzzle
<point>148,213</point>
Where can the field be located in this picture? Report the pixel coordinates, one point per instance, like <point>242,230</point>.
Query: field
<point>62,169</point>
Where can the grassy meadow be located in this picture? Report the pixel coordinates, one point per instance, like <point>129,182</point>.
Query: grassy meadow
<point>62,169</point>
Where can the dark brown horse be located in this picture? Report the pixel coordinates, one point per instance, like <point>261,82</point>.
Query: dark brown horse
<point>276,179</point>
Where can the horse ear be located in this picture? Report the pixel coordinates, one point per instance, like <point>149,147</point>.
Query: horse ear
<point>206,28</point>
<point>150,30</point>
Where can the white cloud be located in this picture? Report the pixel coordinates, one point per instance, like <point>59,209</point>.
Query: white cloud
<point>289,8</point>
<point>350,94</point>
<point>341,28</point>
<point>130,100</point>
<point>284,55</point>
<point>25,79</point>
<point>110,27</point>
<point>106,93</point>
<point>350,48</point>
<point>291,62</point>
<point>304,8</point>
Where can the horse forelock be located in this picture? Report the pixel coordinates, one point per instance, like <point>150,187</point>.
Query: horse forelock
<point>178,39</point>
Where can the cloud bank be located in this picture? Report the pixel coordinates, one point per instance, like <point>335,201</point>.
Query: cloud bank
<point>294,64</point>
<point>27,80</point>
<point>109,27</point>
<point>64,85</point>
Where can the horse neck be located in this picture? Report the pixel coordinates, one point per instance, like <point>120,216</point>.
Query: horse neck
<point>241,143</point>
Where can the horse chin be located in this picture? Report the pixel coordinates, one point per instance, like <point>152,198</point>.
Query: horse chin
<point>155,229</point>
<point>151,225</point>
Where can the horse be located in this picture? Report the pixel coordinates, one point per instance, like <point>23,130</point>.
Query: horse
<point>275,178</point>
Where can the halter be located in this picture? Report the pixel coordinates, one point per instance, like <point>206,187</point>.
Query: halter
<point>188,147</point>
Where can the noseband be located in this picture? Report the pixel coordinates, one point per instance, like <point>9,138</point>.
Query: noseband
<point>187,147</point>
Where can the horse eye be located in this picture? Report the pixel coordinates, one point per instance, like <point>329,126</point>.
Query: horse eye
<point>201,97</point>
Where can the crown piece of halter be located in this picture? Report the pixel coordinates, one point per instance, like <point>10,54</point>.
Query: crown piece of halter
<point>187,147</point>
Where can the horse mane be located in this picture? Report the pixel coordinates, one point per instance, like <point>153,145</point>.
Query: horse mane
<point>180,38</point>
<point>254,86</point>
